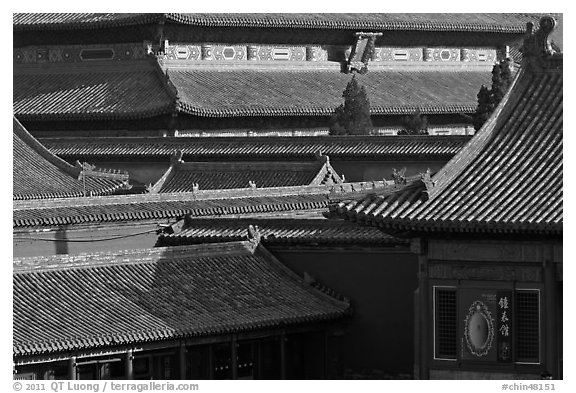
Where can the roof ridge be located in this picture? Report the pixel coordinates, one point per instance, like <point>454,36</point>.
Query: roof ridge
<point>233,166</point>
<point>90,170</point>
<point>175,161</point>
<point>319,138</point>
<point>239,193</point>
<point>301,281</point>
<point>482,137</point>
<point>537,48</point>
<point>103,258</point>
<point>27,138</point>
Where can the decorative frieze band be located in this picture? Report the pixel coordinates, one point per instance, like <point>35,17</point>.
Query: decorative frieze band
<point>80,53</point>
<point>432,54</point>
<point>223,52</point>
<point>319,53</point>
<point>246,52</point>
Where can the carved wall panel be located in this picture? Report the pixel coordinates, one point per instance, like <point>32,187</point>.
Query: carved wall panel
<point>397,54</point>
<point>316,53</point>
<point>471,54</point>
<point>289,53</point>
<point>441,54</point>
<point>182,52</point>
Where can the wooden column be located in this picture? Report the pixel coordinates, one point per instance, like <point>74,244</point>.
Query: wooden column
<point>283,356</point>
<point>419,246</point>
<point>416,338</point>
<point>182,361</point>
<point>551,343</point>
<point>325,355</point>
<point>128,366</point>
<point>234,356</point>
<point>72,368</point>
<point>259,360</point>
<point>210,361</point>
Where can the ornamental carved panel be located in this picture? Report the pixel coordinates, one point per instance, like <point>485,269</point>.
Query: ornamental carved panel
<point>441,54</point>
<point>230,52</point>
<point>397,54</point>
<point>316,53</point>
<point>182,52</point>
<point>278,52</point>
<point>471,54</point>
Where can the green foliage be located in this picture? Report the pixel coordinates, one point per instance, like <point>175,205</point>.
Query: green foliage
<point>352,117</point>
<point>415,124</point>
<point>488,99</point>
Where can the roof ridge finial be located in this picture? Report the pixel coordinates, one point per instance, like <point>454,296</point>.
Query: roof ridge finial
<point>322,157</point>
<point>429,183</point>
<point>254,235</point>
<point>537,44</point>
<point>399,176</point>
<point>176,157</point>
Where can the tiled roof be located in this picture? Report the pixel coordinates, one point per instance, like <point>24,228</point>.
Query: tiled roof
<point>202,203</point>
<point>279,231</point>
<point>53,21</point>
<point>495,22</point>
<point>37,173</point>
<point>87,301</point>
<point>508,23</point>
<point>312,92</point>
<point>186,176</point>
<point>167,206</point>
<point>390,148</point>
<point>508,179</point>
<point>103,90</point>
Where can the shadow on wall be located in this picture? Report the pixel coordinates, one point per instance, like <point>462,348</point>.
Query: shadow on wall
<point>61,243</point>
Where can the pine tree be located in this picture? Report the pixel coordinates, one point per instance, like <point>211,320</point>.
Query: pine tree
<point>488,99</point>
<point>415,124</point>
<point>352,117</point>
<point>338,120</point>
<point>484,108</point>
<point>501,80</point>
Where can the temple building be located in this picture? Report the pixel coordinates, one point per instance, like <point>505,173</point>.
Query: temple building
<point>487,229</point>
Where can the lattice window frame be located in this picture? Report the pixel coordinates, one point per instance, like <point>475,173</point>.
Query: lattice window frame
<point>441,321</point>
<point>535,331</point>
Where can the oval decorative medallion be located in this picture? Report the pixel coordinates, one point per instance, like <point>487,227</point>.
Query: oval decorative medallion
<point>479,329</point>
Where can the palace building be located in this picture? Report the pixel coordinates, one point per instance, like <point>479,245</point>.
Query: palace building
<point>238,74</point>
<point>487,229</point>
<point>229,236</point>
